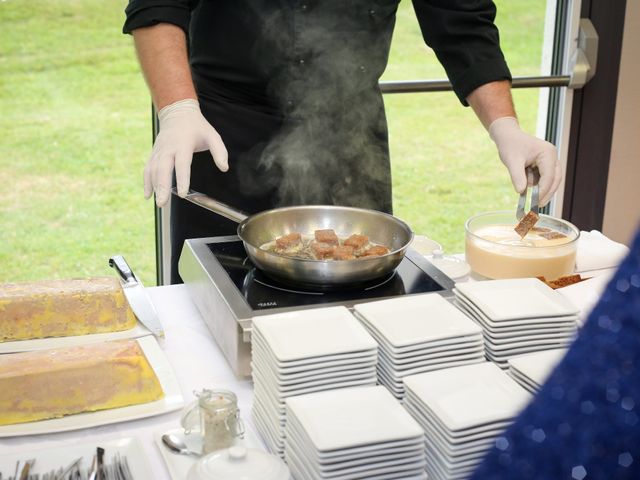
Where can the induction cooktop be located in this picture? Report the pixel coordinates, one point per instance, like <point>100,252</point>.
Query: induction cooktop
<point>229,290</point>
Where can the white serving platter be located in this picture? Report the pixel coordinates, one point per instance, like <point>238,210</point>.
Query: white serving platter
<point>309,334</point>
<point>60,342</point>
<point>179,465</point>
<point>48,459</point>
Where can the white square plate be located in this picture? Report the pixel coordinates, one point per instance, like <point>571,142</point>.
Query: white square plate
<point>329,465</point>
<point>405,321</point>
<point>324,383</point>
<point>421,348</point>
<point>275,428</point>
<point>431,359</point>
<point>381,469</point>
<point>365,452</point>
<point>265,435</point>
<point>302,373</point>
<point>505,355</point>
<point>171,401</point>
<point>517,326</point>
<point>525,382</point>
<point>462,343</point>
<point>393,383</point>
<point>313,333</point>
<point>452,439</point>
<point>513,343</point>
<point>455,465</point>
<point>455,362</point>
<point>455,470</point>
<point>352,417</point>
<point>516,298</point>
<point>464,397</point>
<point>310,364</point>
<point>280,394</point>
<point>383,472</point>
<point>265,368</point>
<point>537,366</point>
<point>550,332</point>
<point>562,321</point>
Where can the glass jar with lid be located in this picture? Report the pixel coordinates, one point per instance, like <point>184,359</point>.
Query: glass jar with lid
<point>216,416</point>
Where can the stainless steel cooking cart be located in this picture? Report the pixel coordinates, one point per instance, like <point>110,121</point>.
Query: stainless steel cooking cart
<point>229,291</point>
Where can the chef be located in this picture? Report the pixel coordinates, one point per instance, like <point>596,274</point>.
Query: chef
<point>266,103</point>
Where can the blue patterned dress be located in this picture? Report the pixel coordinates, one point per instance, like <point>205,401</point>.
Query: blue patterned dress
<point>584,423</point>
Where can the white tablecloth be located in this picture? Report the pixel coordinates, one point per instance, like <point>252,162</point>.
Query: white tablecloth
<point>198,364</point>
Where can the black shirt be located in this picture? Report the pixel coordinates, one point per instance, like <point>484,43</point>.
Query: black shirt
<point>247,41</point>
<point>292,88</point>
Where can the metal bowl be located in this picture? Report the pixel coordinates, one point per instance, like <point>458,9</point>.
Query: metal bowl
<point>381,228</point>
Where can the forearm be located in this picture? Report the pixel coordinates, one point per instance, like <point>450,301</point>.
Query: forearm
<point>492,101</point>
<point>162,52</point>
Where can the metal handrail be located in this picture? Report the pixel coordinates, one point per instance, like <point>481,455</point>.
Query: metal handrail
<point>416,86</point>
<point>583,67</point>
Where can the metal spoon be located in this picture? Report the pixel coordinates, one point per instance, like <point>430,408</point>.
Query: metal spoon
<point>176,445</point>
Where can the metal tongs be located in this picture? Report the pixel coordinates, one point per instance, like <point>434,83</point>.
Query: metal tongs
<point>532,180</point>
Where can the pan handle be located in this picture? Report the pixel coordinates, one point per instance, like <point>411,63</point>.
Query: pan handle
<point>212,205</point>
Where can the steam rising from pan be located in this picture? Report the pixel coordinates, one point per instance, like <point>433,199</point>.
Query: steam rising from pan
<point>331,148</point>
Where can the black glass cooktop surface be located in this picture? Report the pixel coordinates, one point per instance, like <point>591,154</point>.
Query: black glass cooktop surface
<point>413,275</point>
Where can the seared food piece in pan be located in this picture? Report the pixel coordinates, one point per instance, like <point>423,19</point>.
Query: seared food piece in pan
<point>322,251</point>
<point>358,242</point>
<point>344,252</point>
<point>310,247</point>
<point>375,251</point>
<point>327,236</point>
<point>289,243</point>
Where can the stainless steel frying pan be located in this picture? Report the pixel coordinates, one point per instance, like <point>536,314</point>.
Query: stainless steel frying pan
<point>263,227</point>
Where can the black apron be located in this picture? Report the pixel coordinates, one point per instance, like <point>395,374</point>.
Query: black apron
<point>293,92</point>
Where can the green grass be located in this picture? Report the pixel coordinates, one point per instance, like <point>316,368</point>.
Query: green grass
<point>75,134</point>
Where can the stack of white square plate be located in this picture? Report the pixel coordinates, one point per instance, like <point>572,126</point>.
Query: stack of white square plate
<point>353,433</point>
<point>419,333</point>
<point>462,410</point>
<point>518,316</point>
<point>296,353</point>
<point>532,369</point>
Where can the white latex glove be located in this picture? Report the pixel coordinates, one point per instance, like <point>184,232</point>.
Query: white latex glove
<point>519,150</point>
<point>183,131</point>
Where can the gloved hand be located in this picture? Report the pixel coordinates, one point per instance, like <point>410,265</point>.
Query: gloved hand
<point>519,150</point>
<point>183,131</point>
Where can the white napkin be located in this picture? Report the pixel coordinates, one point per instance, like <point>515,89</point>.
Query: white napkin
<point>586,294</point>
<point>596,251</point>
